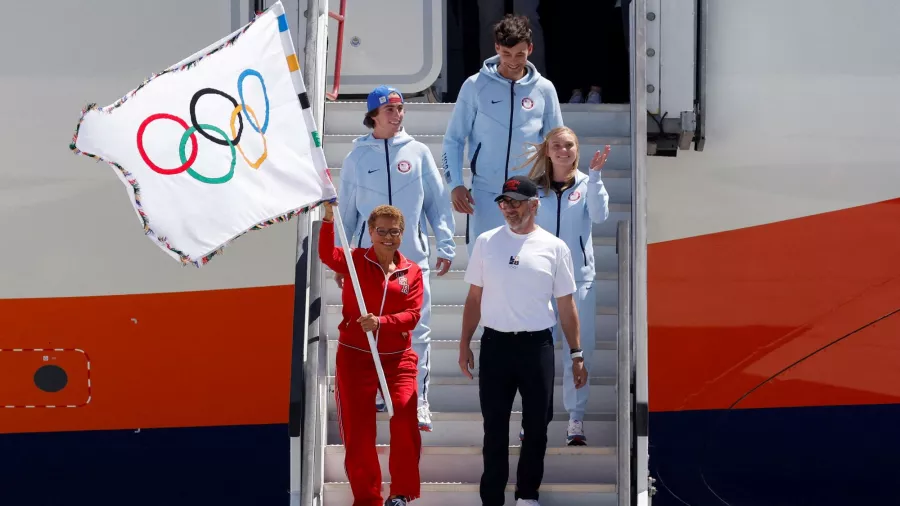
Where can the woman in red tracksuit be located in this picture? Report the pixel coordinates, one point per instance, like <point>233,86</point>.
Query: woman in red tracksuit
<point>392,288</point>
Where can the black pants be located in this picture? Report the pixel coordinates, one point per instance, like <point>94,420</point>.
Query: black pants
<point>509,362</point>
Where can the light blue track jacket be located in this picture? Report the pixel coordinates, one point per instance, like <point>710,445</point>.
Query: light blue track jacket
<point>571,215</point>
<point>399,171</point>
<point>497,117</point>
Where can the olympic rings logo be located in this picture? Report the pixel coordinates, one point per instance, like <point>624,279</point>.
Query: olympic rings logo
<point>232,142</point>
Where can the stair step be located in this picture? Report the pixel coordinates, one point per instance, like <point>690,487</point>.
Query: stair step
<point>461,380</point>
<point>467,429</point>
<point>606,229</point>
<point>456,309</point>
<point>452,287</point>
<point>515,416</point>
<point>337,146</point>
<point>607,173</point>
<point>616,182</point>
<point>385,449</point>
<point>459,393</point>
<point>444,358</point>
<point>568,464</point>
<point>453,344</point>
<point>605,258</point>
<point>466,494</point>
<point>445,326</point>
<point>432,119</point>
<point>457,274</point>
<point>452,274</point>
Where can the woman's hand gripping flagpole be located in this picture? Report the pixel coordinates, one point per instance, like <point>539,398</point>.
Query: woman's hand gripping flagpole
<point>338,224</point>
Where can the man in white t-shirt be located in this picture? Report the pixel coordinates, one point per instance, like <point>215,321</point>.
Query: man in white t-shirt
<point>514,272</point>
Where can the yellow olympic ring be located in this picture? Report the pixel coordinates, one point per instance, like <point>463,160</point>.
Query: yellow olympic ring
<point>265,153</point>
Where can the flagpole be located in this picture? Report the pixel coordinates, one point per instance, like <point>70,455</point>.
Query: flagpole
<point>339,225</point>
<point>318,155</point>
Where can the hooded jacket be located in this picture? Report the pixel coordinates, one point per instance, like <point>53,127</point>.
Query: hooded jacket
<point>399,171</point>
<point>498,117</point>
<point>570,216</point>
<point>396,299</point>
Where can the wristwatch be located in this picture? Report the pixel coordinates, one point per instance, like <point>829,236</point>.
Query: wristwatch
<point>576,353</point>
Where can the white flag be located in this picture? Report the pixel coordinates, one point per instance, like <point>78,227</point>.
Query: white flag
<point>216,145</point>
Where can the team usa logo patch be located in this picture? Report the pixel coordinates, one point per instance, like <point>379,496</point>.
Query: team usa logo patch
<point>404,167</point>
<point>574,196</point>
<point>404,284</point>
<point>527,104</point>
<point>511,186</point>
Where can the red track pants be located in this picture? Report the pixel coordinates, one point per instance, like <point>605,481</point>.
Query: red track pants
<point>357,383</point>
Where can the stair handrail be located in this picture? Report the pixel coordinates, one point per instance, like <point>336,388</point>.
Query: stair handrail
<point>625,368</point>
<point>339,49</point>
<point>315,367</point>
<point>641,482</point>
<point>314,374</point>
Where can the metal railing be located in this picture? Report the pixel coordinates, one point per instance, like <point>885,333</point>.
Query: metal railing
<point>315,386</point>
<point>339,49</point>
<point>642,483</point>
<point>625,369</point>
<point>315,354</point>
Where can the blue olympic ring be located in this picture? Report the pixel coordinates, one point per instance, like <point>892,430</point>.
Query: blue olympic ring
<point>240,87</point>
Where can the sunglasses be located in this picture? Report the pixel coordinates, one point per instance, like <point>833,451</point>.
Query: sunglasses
<point>383,232</point>
<point>508,202</point>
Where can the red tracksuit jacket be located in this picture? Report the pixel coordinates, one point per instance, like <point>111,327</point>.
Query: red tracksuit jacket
<point>396,301</point>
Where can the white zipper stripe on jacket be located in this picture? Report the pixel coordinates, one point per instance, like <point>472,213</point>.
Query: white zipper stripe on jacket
<point>384,295</point>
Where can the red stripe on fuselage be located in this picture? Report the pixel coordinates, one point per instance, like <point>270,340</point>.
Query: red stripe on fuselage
<point>729,311</point>
<point>219,357</point>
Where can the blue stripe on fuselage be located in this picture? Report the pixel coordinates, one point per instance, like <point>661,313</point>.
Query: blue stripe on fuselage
<point>221,466</point>
<point>822,456</point>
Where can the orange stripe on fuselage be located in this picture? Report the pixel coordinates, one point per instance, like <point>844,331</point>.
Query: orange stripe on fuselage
<point>728,311</point>
<point>220,357</point>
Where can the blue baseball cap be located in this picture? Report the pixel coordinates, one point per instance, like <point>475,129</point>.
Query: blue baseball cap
<point>383,95</point>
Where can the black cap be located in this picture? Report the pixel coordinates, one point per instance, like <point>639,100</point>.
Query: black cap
<point>518,188</point>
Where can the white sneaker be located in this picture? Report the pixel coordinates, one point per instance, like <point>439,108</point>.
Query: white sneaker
<point>379,402</point>
<point>527,502</point>
<point>424,415</point>
<point>577,97</point>
<point>593,98</point>
<point>575,434</point>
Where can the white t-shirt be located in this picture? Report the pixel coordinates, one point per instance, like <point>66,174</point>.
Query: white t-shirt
<point>520,274</point>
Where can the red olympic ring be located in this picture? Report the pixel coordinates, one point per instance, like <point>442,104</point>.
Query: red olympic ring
<point>140,144</point>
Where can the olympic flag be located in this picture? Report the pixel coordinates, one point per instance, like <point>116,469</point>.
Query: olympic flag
<point>216,145</point>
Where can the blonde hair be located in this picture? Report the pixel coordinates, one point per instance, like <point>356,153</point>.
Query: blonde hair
<point>541,167</point>
<point>386,211</point>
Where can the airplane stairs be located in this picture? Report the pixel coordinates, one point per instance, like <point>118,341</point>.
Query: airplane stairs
<point>451,462</point>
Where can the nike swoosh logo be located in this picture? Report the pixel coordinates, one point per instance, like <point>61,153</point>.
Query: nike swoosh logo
<point>496,101</point>
<point>376,170</point>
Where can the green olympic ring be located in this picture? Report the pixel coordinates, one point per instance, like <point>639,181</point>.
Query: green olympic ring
<point>196,175</point>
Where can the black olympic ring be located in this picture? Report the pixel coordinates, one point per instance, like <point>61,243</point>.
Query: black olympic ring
<point>196,125</point>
